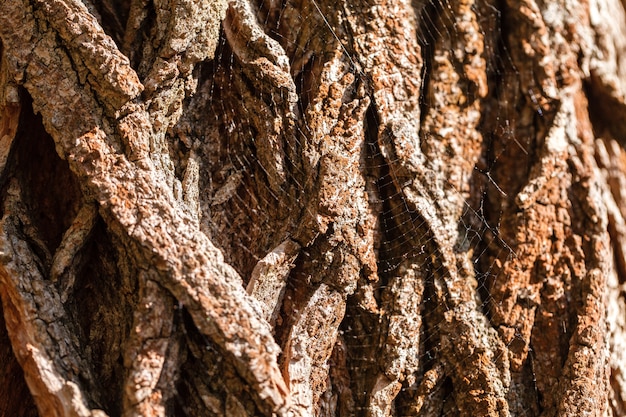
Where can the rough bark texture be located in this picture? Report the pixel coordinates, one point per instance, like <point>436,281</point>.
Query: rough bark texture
<point>298,208</point>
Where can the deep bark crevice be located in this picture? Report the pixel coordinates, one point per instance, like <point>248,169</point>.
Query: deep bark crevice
<point>51,191</point>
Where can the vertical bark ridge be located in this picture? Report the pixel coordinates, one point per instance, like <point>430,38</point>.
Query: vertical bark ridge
<point>146,351</point>
<point>391,70</point>
<point>398,134</point>
<point>610,159</point>
<point>557,191</point>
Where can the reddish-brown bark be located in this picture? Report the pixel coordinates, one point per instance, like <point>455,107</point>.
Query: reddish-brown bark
<point>312,208</point>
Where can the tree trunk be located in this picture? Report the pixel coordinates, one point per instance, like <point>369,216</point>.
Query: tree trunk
<point>312,208</point>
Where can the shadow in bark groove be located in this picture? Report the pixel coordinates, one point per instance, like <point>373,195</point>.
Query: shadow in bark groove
<point>50,190</point>
<point>102,304</point>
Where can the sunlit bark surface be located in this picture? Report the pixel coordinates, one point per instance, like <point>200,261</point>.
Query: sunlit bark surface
<point>312,208</point>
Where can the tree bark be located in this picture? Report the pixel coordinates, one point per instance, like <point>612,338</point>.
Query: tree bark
<point>312,208</point>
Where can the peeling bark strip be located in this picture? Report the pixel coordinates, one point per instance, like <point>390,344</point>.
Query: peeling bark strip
<point>313,208</point>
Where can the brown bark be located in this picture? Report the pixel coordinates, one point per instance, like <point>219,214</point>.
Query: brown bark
<point>312,208</point>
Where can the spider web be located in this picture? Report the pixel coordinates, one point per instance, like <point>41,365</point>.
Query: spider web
<point>229,181</point>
